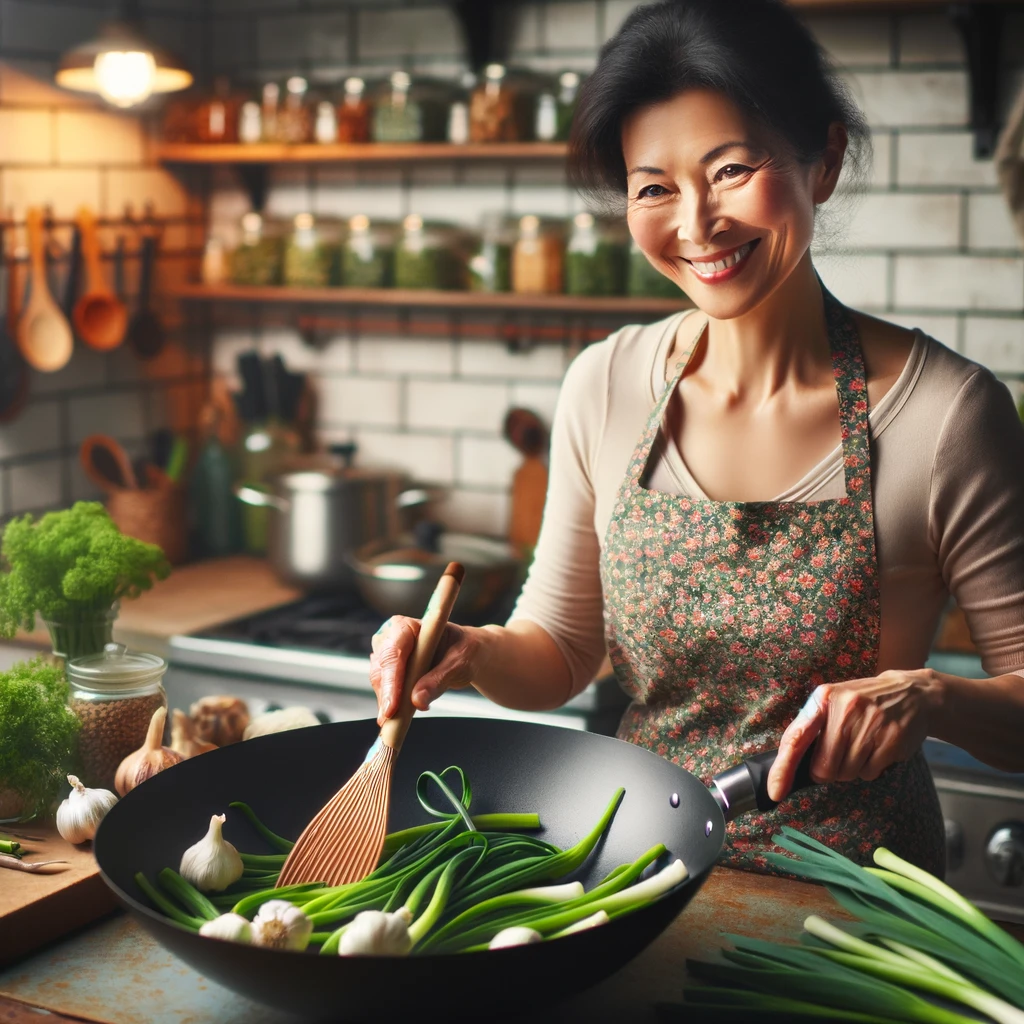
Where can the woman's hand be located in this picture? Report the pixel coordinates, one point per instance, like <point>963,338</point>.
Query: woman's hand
<point>393,645</point>
<point>864,726</point>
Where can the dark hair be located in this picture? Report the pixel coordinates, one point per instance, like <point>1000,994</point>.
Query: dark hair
<point>758,53</point>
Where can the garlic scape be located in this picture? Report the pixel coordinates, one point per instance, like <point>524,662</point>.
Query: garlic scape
<point>516,936</point>
<point>213,863</point>
<point>80,814</point>
<point>228,928</point>
<point>150,758</point>
<point>378,933</point>
<point>280,925</point>
<point>184,740</point>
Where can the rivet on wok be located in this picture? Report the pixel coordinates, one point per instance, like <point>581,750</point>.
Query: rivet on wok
<point>674,799</point>
<point>708,826</point>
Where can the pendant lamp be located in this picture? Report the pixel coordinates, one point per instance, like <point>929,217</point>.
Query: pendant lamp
<point>121,65</point>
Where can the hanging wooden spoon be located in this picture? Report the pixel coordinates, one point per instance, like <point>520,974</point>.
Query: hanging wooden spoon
<point>44,335</point>
<point>101,319</point>
<point>107,464</point>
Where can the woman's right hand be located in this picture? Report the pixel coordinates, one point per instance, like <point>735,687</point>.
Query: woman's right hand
<point>393,645</point>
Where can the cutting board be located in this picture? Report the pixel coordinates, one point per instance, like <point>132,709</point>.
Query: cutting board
<point>35,909</point>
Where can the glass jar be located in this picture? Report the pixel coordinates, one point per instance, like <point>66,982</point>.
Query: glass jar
<point>77,634</point>
<point>490,266</point>
<point>568,91</point>
<point>113,694</point>
<point>325,128</point>
<point>645,282</point>
<point>367,255</point>
<point>409,112</point>
<point>310,257</point>
<point>353,114</point>
<point>536,259</point>
<point>503,107</point>
<point>595,259</point>
<point>257,259</point>
<point>295,122</point>
<point>250,123</point>
<point>270,112</point>
<point>429,256</point>
<point>216,117</point>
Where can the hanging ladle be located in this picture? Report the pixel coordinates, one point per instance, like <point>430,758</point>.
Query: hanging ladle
<point>44,335</point>
<point>101,319</point>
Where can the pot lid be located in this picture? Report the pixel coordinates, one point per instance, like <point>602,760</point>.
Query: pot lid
<point>116,669</point>
<point>319,481</point>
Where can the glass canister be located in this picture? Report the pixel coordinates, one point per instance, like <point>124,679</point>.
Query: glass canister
<point>257,259</point>
<point>411,112</point>
<point>311,255</point>
<point>644,282</point>
<point>429,256</point>
<point>114,695</point>
<point>295,122</point>
<point>568,91</point>
<point>270,112</point>
<point>217,114</point>
<point>537,259</point>
<point>503,107</point>
<point>367,254</point>
<point>490,266</point>
<point>353,113</point>
<point>595,258</point>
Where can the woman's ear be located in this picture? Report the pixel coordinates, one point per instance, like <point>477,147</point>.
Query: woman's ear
<point>830,164</point>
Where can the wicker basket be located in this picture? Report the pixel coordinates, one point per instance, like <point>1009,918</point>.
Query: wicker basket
<point>155,515</point>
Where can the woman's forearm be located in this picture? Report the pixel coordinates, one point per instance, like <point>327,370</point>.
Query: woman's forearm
<point>519,666</point>
<point>983,716</point>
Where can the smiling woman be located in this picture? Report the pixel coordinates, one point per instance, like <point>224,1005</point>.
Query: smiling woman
<point>760,508</point>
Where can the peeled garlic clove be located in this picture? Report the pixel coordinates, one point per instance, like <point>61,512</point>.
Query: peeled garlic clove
<point>228,928</point>
<point>518,936</point>
<point>183,736</point>
<point>150,758</point>
<point>280,925</point>
<point>80,814</point>
<point>377,933</point>
<point>213,863</point>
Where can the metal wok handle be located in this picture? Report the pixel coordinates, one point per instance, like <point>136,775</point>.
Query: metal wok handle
<point>745,787</point>
<point>261,499</point>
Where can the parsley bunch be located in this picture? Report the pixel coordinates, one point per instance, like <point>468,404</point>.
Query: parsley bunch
<point>70,564</point>
<point>38,732</point>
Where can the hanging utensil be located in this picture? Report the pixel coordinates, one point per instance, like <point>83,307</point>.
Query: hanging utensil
<point>342,843</point>
<point>44,335</point>
<point>107,464</point>
<point>13,371</point>
<point>99,317</point>
<point>73,278</point>
<point>528,435</point>
<point>146,332</point>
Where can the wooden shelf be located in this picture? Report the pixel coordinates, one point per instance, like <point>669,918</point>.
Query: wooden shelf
<point>369,152</point>
<point>498,302</point>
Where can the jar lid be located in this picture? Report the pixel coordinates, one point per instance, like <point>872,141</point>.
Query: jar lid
<point>116,669</point>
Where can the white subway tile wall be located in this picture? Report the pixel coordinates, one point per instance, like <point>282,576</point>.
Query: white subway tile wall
<point>66,150</point>
<point>930,244</point>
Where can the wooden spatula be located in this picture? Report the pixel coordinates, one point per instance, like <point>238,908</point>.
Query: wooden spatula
<point>526,433</point>
<point>343,842</point>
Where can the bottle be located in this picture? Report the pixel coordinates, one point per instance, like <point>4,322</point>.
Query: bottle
<point>271,101</point>
<point>326,128</point>
<point>492,108</point>
<point>250,123</point>
<point>215,509</point>
<point>546,128</point>
<point>569,86</point>
<point>295,124</point>
<point>536,260</point>
<point>354,113</point>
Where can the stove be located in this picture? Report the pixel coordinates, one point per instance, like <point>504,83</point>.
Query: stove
<point>315,652</point>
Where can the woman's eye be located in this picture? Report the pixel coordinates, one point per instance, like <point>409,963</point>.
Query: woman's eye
<point>651,192</point>
<point>731,171</point>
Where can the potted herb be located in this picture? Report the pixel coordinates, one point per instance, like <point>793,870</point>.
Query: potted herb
<point>37,738</point>
<point>72,567</point>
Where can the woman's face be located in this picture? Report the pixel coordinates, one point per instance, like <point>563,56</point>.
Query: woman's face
<point>712,206</point>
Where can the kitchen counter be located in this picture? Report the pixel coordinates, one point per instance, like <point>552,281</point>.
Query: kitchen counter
<point>115,973</point>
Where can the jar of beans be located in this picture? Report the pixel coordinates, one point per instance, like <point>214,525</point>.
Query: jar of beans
<point>114,695</point>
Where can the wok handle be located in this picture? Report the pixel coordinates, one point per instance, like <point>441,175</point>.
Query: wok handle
<point>745,787</point>
<point>432,627</point>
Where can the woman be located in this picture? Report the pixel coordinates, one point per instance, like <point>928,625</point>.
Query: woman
<point>760,506</point>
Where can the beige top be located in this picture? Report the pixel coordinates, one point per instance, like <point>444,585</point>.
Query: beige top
<point>948,476</point>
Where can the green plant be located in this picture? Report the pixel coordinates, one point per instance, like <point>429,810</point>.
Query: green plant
<point>38,732</point>
<point>70,567</point>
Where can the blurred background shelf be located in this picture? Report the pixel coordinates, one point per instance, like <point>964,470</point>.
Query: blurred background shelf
<point>367,152</point>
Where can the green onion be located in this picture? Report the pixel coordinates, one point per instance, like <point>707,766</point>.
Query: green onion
<point>10,846</point>
<point>187,894</point>
<point>163,903</point>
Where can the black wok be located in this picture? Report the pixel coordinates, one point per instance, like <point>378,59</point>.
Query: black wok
<point>566,776</point>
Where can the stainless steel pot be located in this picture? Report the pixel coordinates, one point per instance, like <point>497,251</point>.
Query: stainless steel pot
<point>399,580</point>
<point>320,516</point>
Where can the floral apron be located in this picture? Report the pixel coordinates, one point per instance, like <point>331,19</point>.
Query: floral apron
<point>721,617</point>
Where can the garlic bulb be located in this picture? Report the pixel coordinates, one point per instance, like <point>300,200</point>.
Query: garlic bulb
<point>280,721</point>
<point>280,925</point>
<point>220,720</point>
<point>183,736</point>
<point>377,933</point>
<point>518,936</point>
<point>80,815</point>
<point>150,758</point>
<point>228,928</point>
<point>213,863</point>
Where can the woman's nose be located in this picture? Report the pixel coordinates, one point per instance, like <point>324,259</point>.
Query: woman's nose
<point>697,222</point>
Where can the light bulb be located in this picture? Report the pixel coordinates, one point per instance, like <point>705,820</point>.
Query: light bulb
<point>125,78</point>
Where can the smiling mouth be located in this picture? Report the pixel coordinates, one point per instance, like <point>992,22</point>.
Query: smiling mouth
<point>709,268</point>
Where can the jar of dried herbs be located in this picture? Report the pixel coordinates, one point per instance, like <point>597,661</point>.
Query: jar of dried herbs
<point>644,282</point>
<point>595,259</point>
<point>114,695</point>
<point>311,255</point>
<point>367,254</point>
<point>429,256</point>
<point>257,258</point>
<point>411,112</point>
<point>490,266</point>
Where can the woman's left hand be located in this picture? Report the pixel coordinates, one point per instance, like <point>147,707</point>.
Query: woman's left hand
<point>864,726</point>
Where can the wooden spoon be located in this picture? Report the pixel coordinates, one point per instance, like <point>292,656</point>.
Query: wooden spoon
<point>107,464</point>
<point>528,435</point>
<point>44,335</point>
<point>101,319</point>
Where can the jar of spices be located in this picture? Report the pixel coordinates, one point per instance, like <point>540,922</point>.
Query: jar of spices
<point>114,695</point>
<point>429,256</point>
<point>310,257</point>
<point>353,114</point>
<point>536,259</point>
<point>257,259</point>
<point>295,122</point>
<point>595,261</point>
<point>367,254</point>
<point>645,282</point>
<point>271,110</point>
<point>503,107</point>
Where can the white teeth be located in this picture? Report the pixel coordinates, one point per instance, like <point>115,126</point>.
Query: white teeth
<point>708,269</point>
